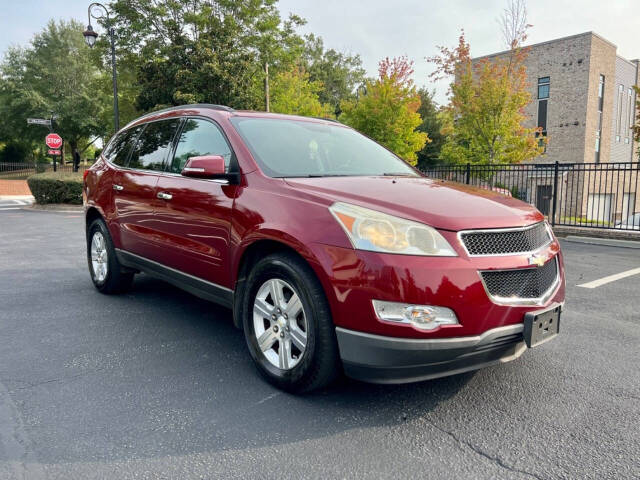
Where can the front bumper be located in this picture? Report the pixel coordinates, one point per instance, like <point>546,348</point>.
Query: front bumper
<point>380,359</point>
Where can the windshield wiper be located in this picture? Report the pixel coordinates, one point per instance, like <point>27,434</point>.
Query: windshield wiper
<point>399,174</point>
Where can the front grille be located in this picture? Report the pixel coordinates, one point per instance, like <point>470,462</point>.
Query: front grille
<point>506,242</point>
<point>526,283</point>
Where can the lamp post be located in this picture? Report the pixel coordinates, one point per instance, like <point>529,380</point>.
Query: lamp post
<point>90,37</point>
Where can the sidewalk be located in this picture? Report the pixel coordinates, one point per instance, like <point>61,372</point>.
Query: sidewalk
<point>14,187</point>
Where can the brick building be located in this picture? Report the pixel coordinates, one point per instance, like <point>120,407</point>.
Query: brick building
<point>582,98</point>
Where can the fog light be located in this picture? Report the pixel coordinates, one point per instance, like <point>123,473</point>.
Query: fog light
<point>424,317</point>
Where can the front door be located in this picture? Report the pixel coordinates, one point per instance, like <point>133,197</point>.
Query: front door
<point>135,188</point>
<point>193,216</point>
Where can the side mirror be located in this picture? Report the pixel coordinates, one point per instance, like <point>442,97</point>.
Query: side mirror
<point>207,166</point>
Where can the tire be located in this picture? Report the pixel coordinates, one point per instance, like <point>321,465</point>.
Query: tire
<point>108,276</point>
<point>290,368</point>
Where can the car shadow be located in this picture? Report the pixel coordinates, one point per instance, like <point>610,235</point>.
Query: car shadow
<point>219,390</point>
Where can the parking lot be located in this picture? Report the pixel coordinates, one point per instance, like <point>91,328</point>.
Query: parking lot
<point>157,384</point>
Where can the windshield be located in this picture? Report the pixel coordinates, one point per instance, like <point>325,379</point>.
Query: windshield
<point>297,148</point>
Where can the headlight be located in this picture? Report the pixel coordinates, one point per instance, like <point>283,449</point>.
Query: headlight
<point>379,232</point>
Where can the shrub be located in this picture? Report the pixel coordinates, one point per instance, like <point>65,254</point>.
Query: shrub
<point>56,187</point>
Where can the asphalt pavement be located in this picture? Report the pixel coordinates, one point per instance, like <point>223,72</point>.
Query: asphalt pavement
<point>158,384</point>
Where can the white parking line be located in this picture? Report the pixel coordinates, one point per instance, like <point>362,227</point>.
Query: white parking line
<point>9,208</point>
<point>610,278</point>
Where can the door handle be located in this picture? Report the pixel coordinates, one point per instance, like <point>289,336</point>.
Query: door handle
<point>117,187</point>
<point>165,196</point>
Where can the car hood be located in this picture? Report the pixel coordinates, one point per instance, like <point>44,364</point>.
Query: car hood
<point>444,205</point>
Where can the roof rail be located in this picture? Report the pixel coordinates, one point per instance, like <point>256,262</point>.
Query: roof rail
<point>191,105</point>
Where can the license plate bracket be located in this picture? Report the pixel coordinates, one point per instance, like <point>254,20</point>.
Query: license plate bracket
<point>541,325</point>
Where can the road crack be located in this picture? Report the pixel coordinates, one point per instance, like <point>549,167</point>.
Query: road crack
<point>494,459</point>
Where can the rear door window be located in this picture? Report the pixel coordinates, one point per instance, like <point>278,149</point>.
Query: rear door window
<point>154,145</point>
<point>199,137</point>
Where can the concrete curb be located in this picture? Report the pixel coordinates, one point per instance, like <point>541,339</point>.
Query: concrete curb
<point>605,233</point>
<point>26,198</point>
<point>56,207</point>
<point>609,242</point>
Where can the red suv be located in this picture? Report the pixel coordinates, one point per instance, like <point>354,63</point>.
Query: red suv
<point>333,253</point>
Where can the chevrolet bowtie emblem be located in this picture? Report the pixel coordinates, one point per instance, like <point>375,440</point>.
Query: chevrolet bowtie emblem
<point>537,260</point>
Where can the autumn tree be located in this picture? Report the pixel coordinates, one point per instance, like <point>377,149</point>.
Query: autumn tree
<point>387,110</point>
<point>486,107</point>
<point>513,24</point>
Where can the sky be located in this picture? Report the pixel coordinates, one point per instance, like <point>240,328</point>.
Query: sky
<point>375,29</point>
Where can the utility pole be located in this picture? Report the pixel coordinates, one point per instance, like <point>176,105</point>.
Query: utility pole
<point>266,84</point>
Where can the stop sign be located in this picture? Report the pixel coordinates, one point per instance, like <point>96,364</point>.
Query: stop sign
<point>53,140</point>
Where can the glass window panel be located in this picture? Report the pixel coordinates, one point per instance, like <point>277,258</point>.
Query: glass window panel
<point>199,137</point>
<point>119,153</point>
<point>153,145</point>
<point>543,91</point>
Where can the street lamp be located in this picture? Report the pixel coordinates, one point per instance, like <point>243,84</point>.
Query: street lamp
<point>90,37</point>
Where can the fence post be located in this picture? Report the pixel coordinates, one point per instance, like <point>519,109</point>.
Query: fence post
<point>555,193</point>
<point>468,173</point>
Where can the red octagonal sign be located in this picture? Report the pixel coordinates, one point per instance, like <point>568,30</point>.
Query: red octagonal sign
<point>53,140</point>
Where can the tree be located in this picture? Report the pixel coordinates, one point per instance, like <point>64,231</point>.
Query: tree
<point>486,110</point>
<point>53,74</point>
<point>292,92</point>
<point>514,24</point>
<point>432,124</point>
<point>339,73</point>
<point>387,111</point>
<point>211,51</point>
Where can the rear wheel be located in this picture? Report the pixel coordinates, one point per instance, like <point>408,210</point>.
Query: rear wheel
<point>288,326</point>
<point>107,274</point>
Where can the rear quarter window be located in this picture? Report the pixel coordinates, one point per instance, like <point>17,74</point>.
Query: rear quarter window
<point>117,152</point>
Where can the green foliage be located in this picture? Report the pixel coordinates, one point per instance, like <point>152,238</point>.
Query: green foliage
<point>53,74</point>
<point>202,51</point>
<point>338,73</point>
<point>388,110</point>
<point>484,119</point>
<point>431,125</point>
<point>15,151</point>
<point>292,92</point>
<point>56,187</point>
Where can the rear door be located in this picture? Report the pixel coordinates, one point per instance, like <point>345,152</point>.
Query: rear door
<point>193,219</point>
<point>135,188</point>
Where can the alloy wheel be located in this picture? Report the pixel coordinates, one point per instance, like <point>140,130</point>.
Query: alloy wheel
<point>280,323</point>
<point>99,257</point>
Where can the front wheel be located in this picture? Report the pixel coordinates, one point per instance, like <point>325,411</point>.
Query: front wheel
<point>107,274</point>
<point>288,325</point>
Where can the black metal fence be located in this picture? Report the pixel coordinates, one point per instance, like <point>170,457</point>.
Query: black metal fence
<point>594,195</point>
<point>20,171</point>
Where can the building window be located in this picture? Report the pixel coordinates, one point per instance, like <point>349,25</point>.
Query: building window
<point>542,115</point>
<point>543,87</point>
<point>631,112</point>
<point>620,107</point>
<point>599,128</point>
